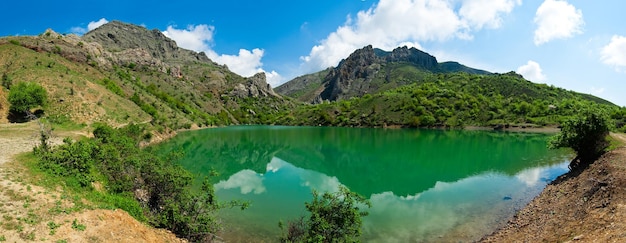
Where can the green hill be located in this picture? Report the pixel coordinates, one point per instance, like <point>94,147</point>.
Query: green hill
<point>457,100</point>
<point>121,73</point>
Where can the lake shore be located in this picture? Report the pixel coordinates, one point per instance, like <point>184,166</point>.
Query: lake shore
<point>584,206</point>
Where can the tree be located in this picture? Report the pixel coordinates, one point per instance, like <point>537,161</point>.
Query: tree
<point>334,217</point>
<point>24,96</point>
<point>586,135</point>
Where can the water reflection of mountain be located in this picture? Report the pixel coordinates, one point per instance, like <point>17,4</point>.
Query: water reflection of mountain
<point>368,161</point>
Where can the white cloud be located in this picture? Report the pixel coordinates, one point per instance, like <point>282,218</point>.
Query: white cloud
<point>557,19</point>
<point>614,53</point>
<point>95,24</point>
<point>532,71</point>
<point>200,38</point>
<point>486,13</point>
<point>92,25</point>
<point>197,38</point>
<point>391,23</point>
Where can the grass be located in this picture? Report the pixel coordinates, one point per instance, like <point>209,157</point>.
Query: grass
<point>614,143</point>
<point>53,226</point>
<point>78,226</point>
<point>78,197</point>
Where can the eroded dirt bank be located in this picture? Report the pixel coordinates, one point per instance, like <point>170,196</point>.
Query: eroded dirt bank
<point>585,207</point>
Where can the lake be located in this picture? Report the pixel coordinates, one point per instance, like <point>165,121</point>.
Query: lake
<point>424,185</point>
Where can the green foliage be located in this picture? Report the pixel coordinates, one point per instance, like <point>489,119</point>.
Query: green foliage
<point>455,100</point>
<point>25,96</point>
<point>78,226</point>
<point>113,87</point>
<point>7,82</point>
<point>147,186</point>
<point>586,135</point>
<point>334,217</point>
<point>53,227</point>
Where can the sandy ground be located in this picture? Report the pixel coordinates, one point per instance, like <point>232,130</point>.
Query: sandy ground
<point>585,207</point>
<point>33,213</point>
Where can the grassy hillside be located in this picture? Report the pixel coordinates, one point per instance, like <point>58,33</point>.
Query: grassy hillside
<point>87,83</point>
<point>75,91</point>
<point>457,100</point>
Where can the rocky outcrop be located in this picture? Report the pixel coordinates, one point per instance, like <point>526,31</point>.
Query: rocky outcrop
<point>256,86</point>
<point>348,78</point>
<point>414,56</point>
<point>353,76</point>
<point>116,36</point>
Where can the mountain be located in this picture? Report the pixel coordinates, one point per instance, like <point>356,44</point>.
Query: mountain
<point>367,71</point>
<point>121,73</point>
<point>409,88</point>
<point>457,100</point>
<point>138,70</point>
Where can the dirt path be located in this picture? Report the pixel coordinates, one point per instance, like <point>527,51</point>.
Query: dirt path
<point>589,207</point>
<point>33,213</point>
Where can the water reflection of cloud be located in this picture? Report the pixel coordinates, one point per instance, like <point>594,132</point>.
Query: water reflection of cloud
<point>276,164</point>
<point>541,175</point>
<point>247,180</point>
<point>308,178</point>
<point>428,215</point>
<point>531,176</point>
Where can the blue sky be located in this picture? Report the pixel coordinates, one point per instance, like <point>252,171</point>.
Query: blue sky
<point>575,44</point>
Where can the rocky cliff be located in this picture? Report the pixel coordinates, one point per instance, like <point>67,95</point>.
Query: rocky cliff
<point>366,71</point>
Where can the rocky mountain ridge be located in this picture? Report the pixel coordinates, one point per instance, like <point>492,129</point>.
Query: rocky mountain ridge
<point>368,70</point>
<point>177,87</point>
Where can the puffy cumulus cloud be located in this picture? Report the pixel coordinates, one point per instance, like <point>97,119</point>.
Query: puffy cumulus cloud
<point>392,23</point>
<point>614,53</point>
<point>200,38</point>
<point>532,71</point>
<point>557,19</point>
<point>195,38</point>
<point>91,26</point>
<point>486,13</point>
<point>246,63</point>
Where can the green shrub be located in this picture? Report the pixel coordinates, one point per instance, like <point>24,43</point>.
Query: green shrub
<point>586,135</point>
<point>334,217</point>
<point>166,196</point>
<point>25,96</point>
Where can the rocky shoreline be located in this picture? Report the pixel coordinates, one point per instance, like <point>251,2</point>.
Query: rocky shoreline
<point>581,206</point>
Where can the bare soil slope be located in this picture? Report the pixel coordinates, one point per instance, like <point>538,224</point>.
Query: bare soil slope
<point>585,207</point>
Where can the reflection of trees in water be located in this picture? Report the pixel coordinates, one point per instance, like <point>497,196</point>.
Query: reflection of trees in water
<point>405,161</point>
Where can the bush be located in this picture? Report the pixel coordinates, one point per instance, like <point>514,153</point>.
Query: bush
<point>24,96</point>
<point>586,135</point>
<point>147,186</point>
<point>334,217</point>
